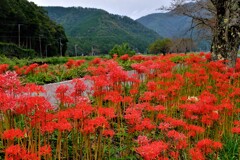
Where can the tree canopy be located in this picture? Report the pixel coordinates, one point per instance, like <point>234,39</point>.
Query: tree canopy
<point>122,49</point>
<point>160,46</point>
<point>222,18</point>
<point>27,25</point>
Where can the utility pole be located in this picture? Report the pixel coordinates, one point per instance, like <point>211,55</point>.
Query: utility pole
<point>19,35</point>
<point>40,46</point>
<point>46,49</point>
<point>75,47</point>
<point>60,46</point>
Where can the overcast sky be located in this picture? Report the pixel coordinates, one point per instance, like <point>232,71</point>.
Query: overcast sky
<point>130,8</point>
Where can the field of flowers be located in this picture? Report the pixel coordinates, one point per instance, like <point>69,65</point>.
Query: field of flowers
<point>168,107</point>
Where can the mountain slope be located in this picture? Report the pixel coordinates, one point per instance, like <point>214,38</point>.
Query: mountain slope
<point>20,19</point>
<point>167,24</point>
<point>170,25</point>
<point>94,28</point>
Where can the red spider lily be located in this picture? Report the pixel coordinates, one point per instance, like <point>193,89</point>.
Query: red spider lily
<point>113,96</point>
<point>81,111</point>
<point>63,125</point>
<point>176,135</point>
<point>108,133</point>
<point>90,125</point>
<point>175,122</point>
<point>124,57</point>
<point>28,105</point>
<point>3,68</point>
<point>164,126</point>
<point>140,68</point>
<point>16,152</point>
<point>174,155</point>
<point>13,133</point>
<point>152,150</point>
<point>151,86</point>
<point>145,124</point>
<point>13,152</point>
<point>48,127</point>
<point>196,154</point>
<point>74,63</point>
<point>142,140</point>
<point>133,116</point>
<point>7,102</point>
<point>208,146</point>
<point>62,94</point>
<point>236,129</point>
<point>193,130</point>
<point>109,113</point>
<point>147,96</point>
<point>181,144</point>
<point>96,60</point>
<point>79,87</point>
<point>31,68</point>
<point>32,88</point>
<point>19,70</point>
<point>45,150</point>
<point>9,81</point>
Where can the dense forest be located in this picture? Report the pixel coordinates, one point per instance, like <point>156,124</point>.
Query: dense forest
<point>27,25</point>
<point>95,30</point>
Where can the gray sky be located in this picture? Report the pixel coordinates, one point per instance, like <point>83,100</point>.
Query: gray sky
<point>131,8</point>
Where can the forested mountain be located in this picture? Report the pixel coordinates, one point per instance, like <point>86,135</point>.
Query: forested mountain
<point>174,26</point>
<point>27,25</point>
<point>167,24</point>
<point>94,29</point>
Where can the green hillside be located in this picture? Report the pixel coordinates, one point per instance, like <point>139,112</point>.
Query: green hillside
<point>98,30</point>
<point>27,25</point>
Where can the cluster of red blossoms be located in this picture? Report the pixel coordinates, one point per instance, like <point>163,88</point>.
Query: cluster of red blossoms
<point>159,110</point>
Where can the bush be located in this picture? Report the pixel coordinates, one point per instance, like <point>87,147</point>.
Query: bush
<point>12,50</point>
<point>121,50</point>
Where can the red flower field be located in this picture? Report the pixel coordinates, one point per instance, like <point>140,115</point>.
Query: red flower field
<point>168,107</point>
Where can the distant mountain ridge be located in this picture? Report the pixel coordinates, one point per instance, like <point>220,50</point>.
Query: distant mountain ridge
<point>95,29</point>
<point>170,25</point>
<point>167,25</point>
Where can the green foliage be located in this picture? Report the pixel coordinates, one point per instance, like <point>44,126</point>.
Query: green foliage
<point>98,31</point>
<point>12,50</point>
<point>160,46</point>
<point>231,148</point>
<point>121,50</point>
<point>36,28</point>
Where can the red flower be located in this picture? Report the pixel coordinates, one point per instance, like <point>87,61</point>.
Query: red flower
<point>208,146</point>
<point>45,150</point>
<point>124,57</point>
<point>152,150</point>
<point>3,68</point>
<point>176,135</point>
<point>13,133</point>
<point>109,133</point>
<point>236,130</point>
<point>109,113</point>
<point>196,154</point>
<point>143,140</point>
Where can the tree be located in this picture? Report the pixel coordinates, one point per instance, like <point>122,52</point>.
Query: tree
<point>160,46</point>
<point>26,24</point>
<point>182,45</point>
<point>122,49</point>
<point>222,18</point>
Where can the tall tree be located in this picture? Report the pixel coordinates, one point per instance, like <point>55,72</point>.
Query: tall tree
<point>222,18</point>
